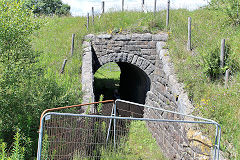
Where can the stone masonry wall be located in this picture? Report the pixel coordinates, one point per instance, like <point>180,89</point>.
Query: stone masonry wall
<point>146,51</point>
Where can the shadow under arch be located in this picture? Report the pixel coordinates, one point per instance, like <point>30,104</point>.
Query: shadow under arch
<point>134,83</point>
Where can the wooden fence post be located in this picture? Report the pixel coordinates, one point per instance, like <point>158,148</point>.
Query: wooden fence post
<point>227,77</point>
<point>103,5</point>
<point>189,33</point>
<point>222,53</point>
<point>143,5</point>
<point>72,47</point>
<point>122,5</point>
<point>93,15</point>
<point>167,18</point>
<point>155,7</point>
<point>63,66</point>
<point>87,21</point>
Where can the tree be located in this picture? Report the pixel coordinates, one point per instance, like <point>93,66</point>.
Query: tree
<point>48,7</point>
<point>24,90</point>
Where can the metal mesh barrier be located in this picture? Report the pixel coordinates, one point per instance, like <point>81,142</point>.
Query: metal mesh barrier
<point>66,136</point>
<point>162,131</point>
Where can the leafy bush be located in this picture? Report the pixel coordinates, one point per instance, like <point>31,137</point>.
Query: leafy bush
<point>25,90</point>
<point>211,62</point>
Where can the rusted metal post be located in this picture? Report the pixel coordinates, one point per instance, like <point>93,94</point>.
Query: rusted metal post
<point>72,47</point>
<point>189,33</point>
<point>63,66</point>
<point>222,53</point>
<point>167,16</point>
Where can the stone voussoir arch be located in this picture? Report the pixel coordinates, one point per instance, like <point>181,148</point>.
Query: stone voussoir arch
<point>147,53</point>
<point>136,49</point>
<point>140,62</point>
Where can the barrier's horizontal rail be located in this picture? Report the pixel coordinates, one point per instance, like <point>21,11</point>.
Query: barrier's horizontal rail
<point>127,118</point>
<point>164,110</point>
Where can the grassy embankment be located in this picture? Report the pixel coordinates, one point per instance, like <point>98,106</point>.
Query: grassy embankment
<point>54,41</point>
<point>199,70</point>
<point>134,147</point>
<point>207,94</point>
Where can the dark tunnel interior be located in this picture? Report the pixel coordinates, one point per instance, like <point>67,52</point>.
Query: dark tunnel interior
<point>134,83</point>
<point>132,86</point>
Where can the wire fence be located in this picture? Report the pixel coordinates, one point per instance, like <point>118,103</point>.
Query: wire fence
<point>77,136</point>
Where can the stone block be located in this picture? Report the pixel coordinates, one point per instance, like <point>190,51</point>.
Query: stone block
<point>104,36</point>
<point>117,49</point>
<point>134,59</point>
<point>119,43</point>
<point>148,52</point>
<point>150,69</point>
<point>160,37</point>
<point>119,57</point>
<point>142,37</point>
<point>145,64</point>
<point>139,61</point>
<point>110,46</point>
<point>152,44</point>
<point>112,57</point>
<point>144,47</point>
<point>125,56</point>
<point>132,48</point>
<point>130,58</point>
<point>121,37</point>
<point>159,46</point>
<point>99,42</point>
<point>137,43</point>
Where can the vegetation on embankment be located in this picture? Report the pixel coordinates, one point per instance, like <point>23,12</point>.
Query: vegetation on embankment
<point>106,81</point>
<point>26,88</point>
<point>30,78</point>
<point>44,87</point>
<point>134,147</point>
<point>200,72</point>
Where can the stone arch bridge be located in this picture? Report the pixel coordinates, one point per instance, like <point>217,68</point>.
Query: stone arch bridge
<point>147,77</point>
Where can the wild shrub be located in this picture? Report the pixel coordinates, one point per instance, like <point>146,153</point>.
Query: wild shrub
<point>24,89</point>
<point>18,149</point>
<point>211,62</point>
<point>230,8</point>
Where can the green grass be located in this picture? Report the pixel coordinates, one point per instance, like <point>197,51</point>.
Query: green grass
<point>108,71</point>
<point>106,80</point>
<point>53,41</point>
<point>208,95</point>
<point>137,144</point>
<point>141,144</point>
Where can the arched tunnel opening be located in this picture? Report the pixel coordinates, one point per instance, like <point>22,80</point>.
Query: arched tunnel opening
<point>131,83</point>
